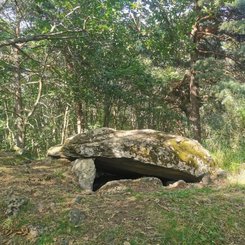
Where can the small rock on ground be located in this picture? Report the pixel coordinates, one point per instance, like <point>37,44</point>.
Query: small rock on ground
<point>76,216</point>
<point>178,184</point>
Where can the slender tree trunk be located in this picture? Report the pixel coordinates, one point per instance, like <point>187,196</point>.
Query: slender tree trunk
<point>194,110</point>
<point>10,136</point>
<point>194,106</point>
<point>134,117</point>
<point>80,123</point>
<point>80,120</point>
<point>18,107</point>
<point>65,125</point>
<point>107,112</point>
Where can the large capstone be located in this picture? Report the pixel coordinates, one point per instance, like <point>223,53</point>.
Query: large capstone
<point>138,153</point>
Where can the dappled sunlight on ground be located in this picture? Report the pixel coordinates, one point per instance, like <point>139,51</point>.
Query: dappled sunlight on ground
<point>45,193</point>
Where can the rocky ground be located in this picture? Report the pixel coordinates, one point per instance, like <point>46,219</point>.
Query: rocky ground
<point>41,203</point>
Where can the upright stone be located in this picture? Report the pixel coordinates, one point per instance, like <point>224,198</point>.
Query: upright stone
<point>85,171</point>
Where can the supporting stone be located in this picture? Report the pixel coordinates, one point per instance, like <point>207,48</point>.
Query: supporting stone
<point>85,171</point>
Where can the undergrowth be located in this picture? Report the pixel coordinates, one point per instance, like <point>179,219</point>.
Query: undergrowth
<point>227,157</point>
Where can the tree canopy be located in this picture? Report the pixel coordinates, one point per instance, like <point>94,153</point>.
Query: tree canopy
<point>70,66</point>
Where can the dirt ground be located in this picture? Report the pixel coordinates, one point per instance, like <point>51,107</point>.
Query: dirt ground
<point>41,203</point>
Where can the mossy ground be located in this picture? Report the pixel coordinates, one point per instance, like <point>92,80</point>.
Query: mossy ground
<point>211,215</point>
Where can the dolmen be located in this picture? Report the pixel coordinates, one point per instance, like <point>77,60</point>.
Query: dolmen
<point>134,154</point>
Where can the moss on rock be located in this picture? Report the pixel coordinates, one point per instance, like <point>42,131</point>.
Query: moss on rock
<point>189,151</point>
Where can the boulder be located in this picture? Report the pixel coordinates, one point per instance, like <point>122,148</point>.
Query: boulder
<point>144,184</point>
<point>138,153</point>
<point>178,184</point>
<point>85,171</point>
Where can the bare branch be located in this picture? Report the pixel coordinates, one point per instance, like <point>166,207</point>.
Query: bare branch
<point>77,7</point>
<point>85,22</point>
<point>37,99</point>
<point>25,54</point>
<point>204,18</point>
<point>40,37</point>
<point>137,24</point>
<point>40,88</point>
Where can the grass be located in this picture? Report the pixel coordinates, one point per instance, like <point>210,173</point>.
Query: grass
<point>199,216</point>
<point>227,157</point>
<point>210,215</point>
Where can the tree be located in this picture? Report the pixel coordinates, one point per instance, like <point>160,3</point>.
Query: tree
<point>67,67</point>
<point>192,36</point>
<point>15,62</point>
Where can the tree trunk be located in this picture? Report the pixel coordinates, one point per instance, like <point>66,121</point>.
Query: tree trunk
<point>65,125</point>
<point>107,112</point>
<point>194,110</point>
<point>10,136</point>
<point>80,120</point>
<point>18,107</point>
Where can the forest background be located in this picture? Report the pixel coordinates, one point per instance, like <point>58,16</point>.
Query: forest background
<point>175,66</point>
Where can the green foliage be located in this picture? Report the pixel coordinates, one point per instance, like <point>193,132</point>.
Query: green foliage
<point>225,124</point>
<point>209,70</point>
<point>234,26</point>
<point>116,64</point>
<point>229,158</point>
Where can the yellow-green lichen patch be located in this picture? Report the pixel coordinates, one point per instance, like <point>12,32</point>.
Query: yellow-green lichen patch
<point>140,150</point>
<point>189,151</point>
